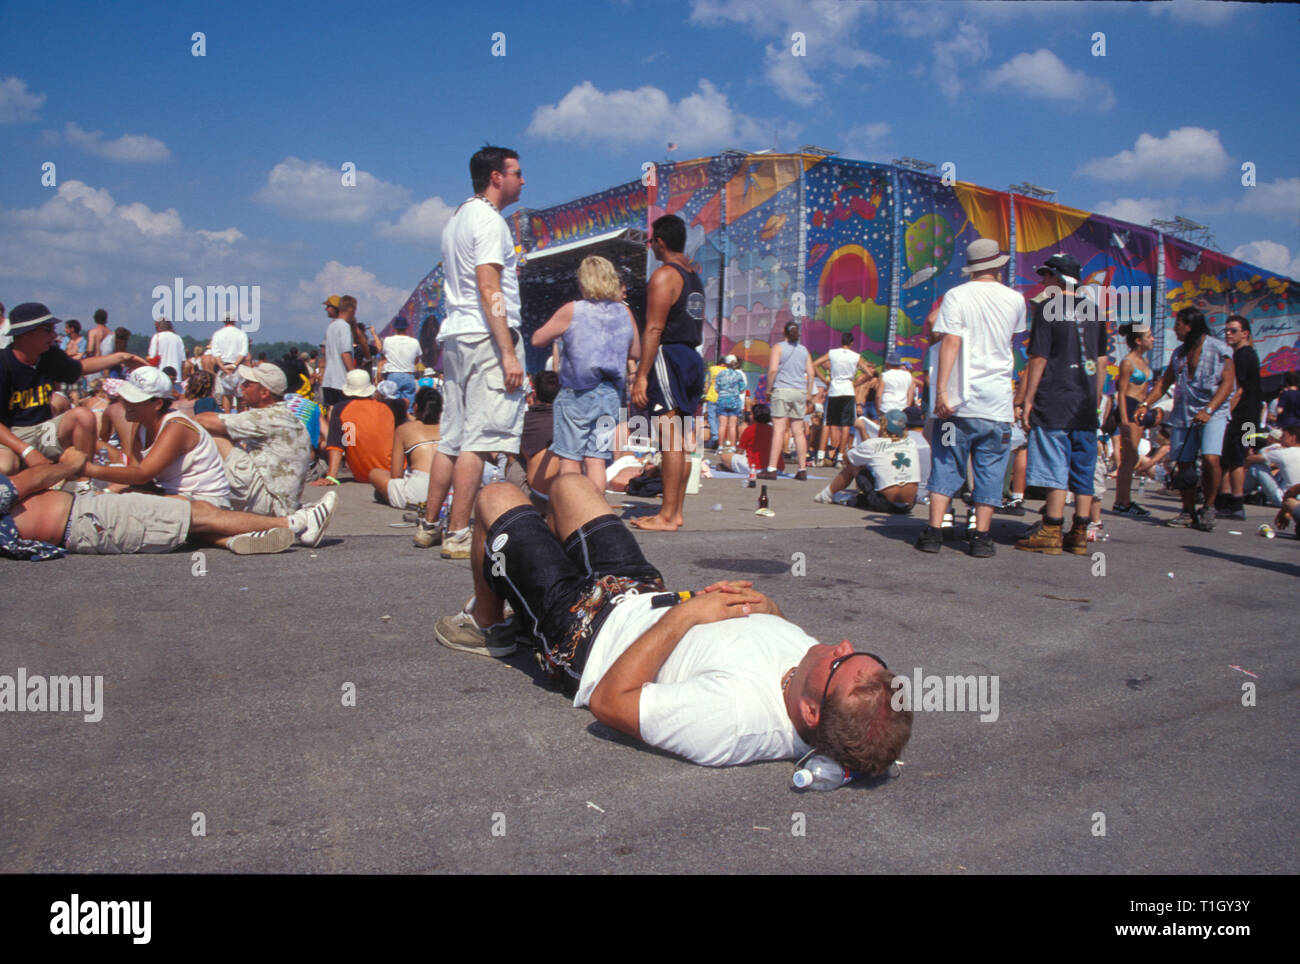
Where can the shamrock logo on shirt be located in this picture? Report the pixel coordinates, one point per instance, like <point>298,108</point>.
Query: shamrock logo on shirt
<point>901,461</point>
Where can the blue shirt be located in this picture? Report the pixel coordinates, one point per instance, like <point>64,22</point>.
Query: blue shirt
<point>1193,391</point>
<point>12,545</point>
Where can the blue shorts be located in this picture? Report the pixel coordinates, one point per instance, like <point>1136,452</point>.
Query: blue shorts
<point>986,443</point>
<point>1210,442</point>
<point>676,382</point>
<point>730,405</point>
<point>584,422</point>
<point>1062,458</point>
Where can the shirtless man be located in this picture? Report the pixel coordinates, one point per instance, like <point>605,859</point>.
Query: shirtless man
<point>36,523</point>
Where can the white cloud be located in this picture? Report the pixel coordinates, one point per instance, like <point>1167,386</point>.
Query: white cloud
<point>866,141</point>
<point>17,103</point>
<point>1043,74</point>
<point>1201,12</point>
<point>419,222</point>
<point>1139,210</point>
<point>969,45</point>
<point>1271,255</point>
<point>1279,198</point>
<point>376,301</point>
<point>81,248</point>
<point>1188,152</point>
<point>314,190</point>
<point>128,147</point>
<point>827,27</point>
<point>646,115</point>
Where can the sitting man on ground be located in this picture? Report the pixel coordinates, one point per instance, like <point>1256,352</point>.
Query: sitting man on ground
<point>754,445</point>
<point>887,468</point>
<point>363,427</point>
<point>30,370</point>
<point>717,676</point>
<point>265,449</point>
<point>38,524</point>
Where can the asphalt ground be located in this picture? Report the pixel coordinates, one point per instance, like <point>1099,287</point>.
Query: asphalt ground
<point>1121,744</point>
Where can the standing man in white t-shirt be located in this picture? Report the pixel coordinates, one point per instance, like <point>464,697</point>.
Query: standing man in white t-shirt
<point>230,345</point>
<point>838,367</point>
<point>482,352</point>
<point>400,352</point>
<point>895,391</point>
<point>973,393</point>
<point>338,350</point>
<point>167,346</point>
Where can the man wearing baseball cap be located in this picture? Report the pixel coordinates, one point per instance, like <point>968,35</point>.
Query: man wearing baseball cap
<point>265,449</point>
<point>30,368</point>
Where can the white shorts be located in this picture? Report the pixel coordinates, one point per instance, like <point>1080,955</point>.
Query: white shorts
<point>478,414</point>
<point>408,491</point>
<point>248,490</point>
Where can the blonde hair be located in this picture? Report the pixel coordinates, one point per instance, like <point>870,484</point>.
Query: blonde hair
<point>597,279</point>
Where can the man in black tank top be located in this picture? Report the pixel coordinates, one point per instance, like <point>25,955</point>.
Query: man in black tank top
<point>670,377</point>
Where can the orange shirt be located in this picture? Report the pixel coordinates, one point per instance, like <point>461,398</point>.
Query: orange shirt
<point>362,429</point>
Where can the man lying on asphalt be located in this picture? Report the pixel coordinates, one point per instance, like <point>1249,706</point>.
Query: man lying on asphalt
<point>717,676</point>
<point>37,523</point>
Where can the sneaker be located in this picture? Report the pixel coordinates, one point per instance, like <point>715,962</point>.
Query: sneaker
<point>1132,510</point>
<point>1045,539</point>
<point>1203,521</point>
<point>1013,507</point>
<point>1076,540</point>
<point>1182,521</point>
<point>824,497</point>
<point>257,543</point>
<point>1237,513</point>
<point>769,474</point>
<point>981,545</point>
<point>457,547</point>
<point>310,522</point>
<point>801,476</point>
<point>930,540</point>
<point>462,633</point>
<point>427,534</point>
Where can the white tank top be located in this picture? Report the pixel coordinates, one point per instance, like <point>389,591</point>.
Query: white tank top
<point>897,382</point>
<point>844,363</point>
<point>199,473</point>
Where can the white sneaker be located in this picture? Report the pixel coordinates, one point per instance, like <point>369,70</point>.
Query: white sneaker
<point>258,543</point>
<point>824,497</point>
<point>310,522</point>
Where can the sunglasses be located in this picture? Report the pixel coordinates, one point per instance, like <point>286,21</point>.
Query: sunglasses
<point>835,665</point>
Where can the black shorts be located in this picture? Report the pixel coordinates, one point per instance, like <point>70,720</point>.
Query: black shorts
<point>1131,407</point>
<point>676,382</point>
<point>332,396</point>
<point>840,410</point>
<point>1234,446</point>
<point>563,594</point>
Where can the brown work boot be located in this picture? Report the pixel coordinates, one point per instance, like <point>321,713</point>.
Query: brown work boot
<point>1046,539</point>
<point>1076,540</point>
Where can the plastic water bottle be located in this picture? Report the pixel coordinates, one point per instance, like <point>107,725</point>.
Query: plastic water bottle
<point>820,772</point>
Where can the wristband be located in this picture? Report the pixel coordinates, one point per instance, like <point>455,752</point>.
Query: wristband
<point>27,451</point>
<point>332,480</point>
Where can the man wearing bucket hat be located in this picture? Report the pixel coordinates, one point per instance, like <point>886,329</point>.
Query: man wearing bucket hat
<point>362,427</point>
<point>30,369</point>
<point>265,449</point>
<point>972,393</point>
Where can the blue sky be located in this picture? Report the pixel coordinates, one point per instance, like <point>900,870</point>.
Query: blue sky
<point>225,168</point>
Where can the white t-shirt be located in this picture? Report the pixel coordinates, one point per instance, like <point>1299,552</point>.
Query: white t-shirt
<point>338,339</point>
<point>171,347</point>
<point>476,235</point>
<point>230,344</point>
<point>893,396</point>
<point>1286,461</point>
<point>401,352</point>
<point>717,699</point>
<point>892,461</point>
<point>844,363</point>
<point>986,314</point>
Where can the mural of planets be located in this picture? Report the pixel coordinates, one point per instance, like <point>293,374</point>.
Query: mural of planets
<point>929,241</point>
<point>849,274</point>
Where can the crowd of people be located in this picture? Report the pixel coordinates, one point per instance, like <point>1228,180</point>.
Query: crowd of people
<point>105,451</point>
